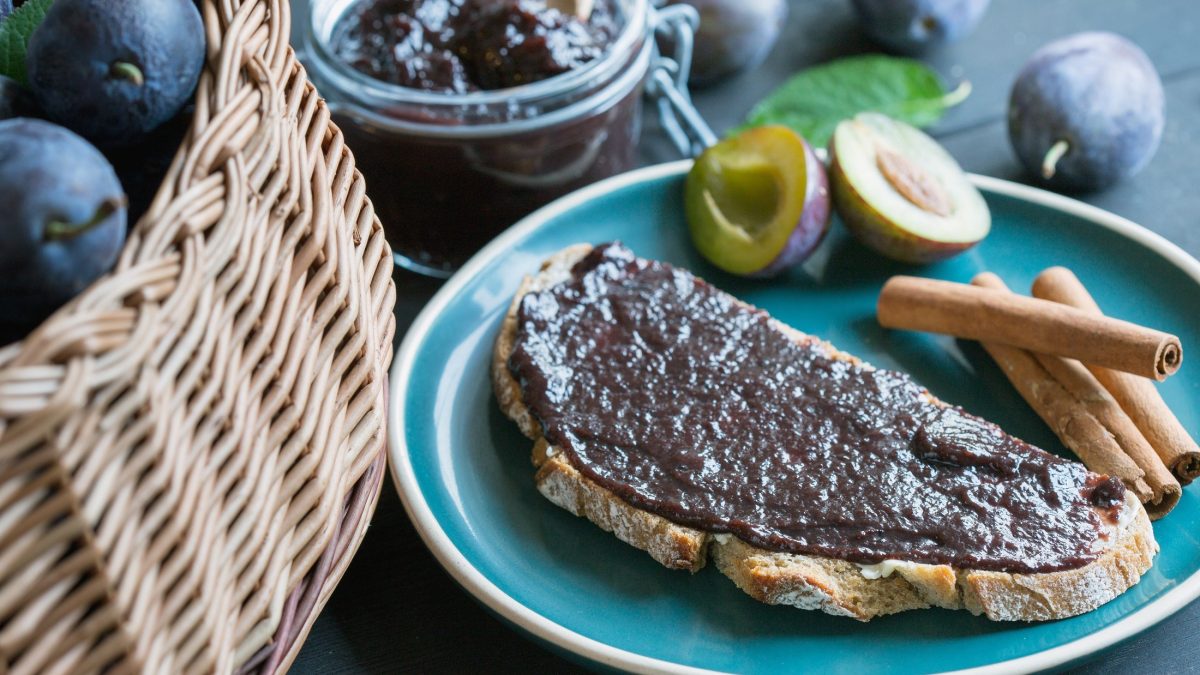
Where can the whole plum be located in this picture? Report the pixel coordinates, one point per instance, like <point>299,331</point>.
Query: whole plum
<point>1086,111</point>
<point>914,26</point>
<point>63,222</point>
<point>114,70</point>
<point>15,100</point>
<point>734,35</point>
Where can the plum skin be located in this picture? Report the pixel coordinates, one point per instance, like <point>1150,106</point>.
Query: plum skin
<point>1098,92</point>
<point>915,26</point>
<point>734,35</point>
<point>48,173</point>
<point>73,61</point>
<point>814,220</point>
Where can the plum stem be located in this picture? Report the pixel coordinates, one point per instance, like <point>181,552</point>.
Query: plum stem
<point>1050,161</point>
<point>127,71</point>
<point>960,94</point>
<point>57,229</point>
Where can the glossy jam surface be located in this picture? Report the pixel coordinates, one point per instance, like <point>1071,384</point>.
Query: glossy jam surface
<point>686,403</point>
<point>458,46</point>
<point>451,176</point>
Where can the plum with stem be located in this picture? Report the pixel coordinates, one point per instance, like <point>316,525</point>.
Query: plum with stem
<point>114,70</point>
<point>915,26</point>
<point>63,222</point>
<point>1086,111</point>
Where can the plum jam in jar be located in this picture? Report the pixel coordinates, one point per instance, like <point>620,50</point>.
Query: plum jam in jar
<point>466,115</point>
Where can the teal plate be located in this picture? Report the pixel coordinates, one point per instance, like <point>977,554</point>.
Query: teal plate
<point>463,470</point>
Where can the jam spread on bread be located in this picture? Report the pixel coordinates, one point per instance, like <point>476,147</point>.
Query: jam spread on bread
<point>686,403</point>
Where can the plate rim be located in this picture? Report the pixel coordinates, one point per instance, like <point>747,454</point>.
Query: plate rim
<point>530,621</point>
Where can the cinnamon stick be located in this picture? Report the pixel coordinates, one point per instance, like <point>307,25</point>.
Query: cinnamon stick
<point>1040,326</point>
<point>1137,396</point>
<point>1097,401</point>
<point>1059,408</point>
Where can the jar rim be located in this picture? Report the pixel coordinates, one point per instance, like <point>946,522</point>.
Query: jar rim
<point>324,15</point>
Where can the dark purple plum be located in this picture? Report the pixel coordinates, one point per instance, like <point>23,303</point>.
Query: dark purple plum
<point>114,70</point>
<point>15,100</point>
<point>63,222</point>
<point>915,26</point>
<point>6,8</point>
<point>1086,111</point>
<point>734,35</point>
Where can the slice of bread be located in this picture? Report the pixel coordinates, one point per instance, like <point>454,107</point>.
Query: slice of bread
<point>834,586</point>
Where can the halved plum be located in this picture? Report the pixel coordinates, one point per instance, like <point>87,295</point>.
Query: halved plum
<point>757,203</point>
<point>901,193</point>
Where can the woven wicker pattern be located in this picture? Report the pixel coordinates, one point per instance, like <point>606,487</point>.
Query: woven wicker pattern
<point>189,450</point>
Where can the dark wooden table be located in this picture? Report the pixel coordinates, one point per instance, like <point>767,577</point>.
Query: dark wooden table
<point>398,611</point>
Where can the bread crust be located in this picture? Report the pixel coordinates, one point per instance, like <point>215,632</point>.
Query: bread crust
<point>837,587</point>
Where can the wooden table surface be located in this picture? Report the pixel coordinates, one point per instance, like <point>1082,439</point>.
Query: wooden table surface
<point>398,611</point>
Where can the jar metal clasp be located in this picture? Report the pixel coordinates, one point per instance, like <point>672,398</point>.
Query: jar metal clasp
<point>667,85</point>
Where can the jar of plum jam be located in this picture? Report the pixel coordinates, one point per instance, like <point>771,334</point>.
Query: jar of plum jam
<point>466,115</point>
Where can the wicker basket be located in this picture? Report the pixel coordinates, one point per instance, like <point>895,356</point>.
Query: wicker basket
<point>190,451</point>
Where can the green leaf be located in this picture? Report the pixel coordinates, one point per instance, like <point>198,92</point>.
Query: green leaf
<point>14,37</point>
<point>814,100</point>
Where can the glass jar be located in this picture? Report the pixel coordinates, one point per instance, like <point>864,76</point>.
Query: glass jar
<point>447,172</point>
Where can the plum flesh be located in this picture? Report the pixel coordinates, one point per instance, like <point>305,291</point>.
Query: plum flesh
<point>1086,111</point>
<point>757,203</point>
<point>15,100</point>
<point>915,26</point>
<point>63,222</point>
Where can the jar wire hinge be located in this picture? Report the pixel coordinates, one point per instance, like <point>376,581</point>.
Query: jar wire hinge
<point>667,84</point>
